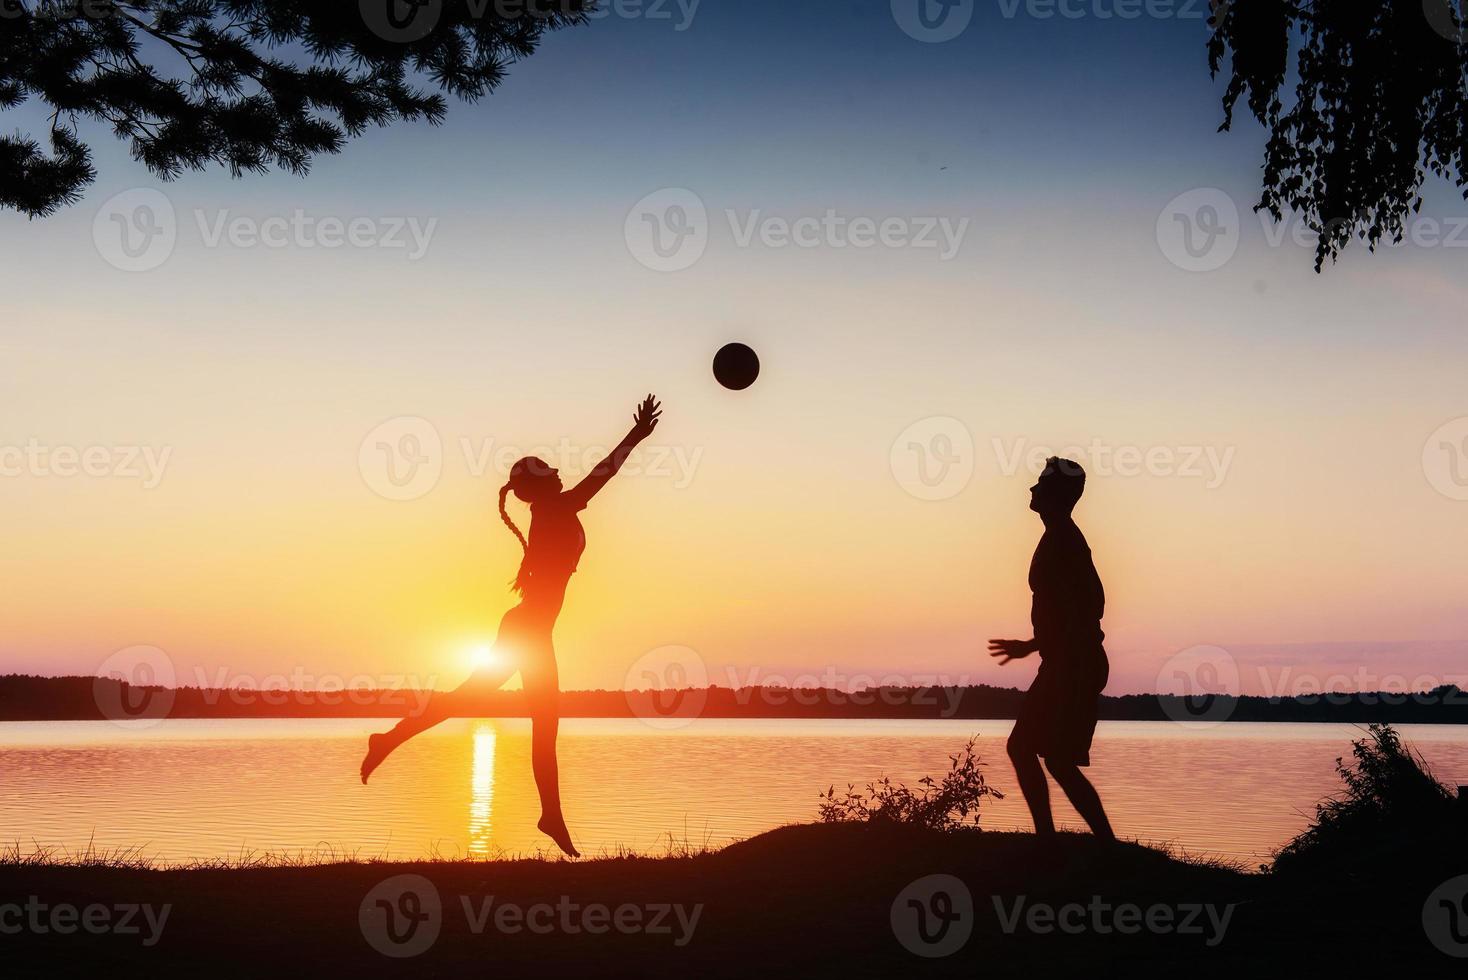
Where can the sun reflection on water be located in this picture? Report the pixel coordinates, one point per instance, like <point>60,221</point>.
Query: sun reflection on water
<point>481,791</point>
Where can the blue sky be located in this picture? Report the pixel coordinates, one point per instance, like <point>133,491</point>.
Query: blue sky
<point>1059,142</point>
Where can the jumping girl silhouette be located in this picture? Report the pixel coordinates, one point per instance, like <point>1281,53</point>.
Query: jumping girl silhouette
<point>554,547</point>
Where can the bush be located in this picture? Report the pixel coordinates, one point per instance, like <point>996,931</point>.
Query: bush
<point>1394,816</point>
<point>936,805</point>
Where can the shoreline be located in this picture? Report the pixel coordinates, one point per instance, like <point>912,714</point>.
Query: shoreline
<point>30,698</point>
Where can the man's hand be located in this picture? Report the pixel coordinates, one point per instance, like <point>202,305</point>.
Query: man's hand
<point>1011,649</point>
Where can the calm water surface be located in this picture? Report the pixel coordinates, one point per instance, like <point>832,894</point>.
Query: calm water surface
<point>205,789</point>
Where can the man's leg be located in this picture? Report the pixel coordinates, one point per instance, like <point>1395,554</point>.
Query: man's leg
<point>1032,784</point>
<point>1082,795</point>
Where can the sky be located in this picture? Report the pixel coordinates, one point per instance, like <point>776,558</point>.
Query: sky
<point>297,401</point>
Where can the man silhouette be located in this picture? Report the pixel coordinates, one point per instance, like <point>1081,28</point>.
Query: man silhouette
<point>1058,716</point>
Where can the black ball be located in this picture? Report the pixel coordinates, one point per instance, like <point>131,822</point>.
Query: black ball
<point>736,366</point>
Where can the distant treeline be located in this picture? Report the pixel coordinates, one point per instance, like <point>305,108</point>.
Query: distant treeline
<point>29,698</point>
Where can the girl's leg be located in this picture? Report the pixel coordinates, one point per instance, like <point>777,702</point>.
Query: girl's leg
<point>439,706</point>
<point>542,691</point>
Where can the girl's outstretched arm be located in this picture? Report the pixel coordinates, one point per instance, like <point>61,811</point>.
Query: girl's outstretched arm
<point>644,420</point>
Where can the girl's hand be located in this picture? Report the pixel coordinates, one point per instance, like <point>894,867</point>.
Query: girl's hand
<point>645,419</point>
<point>1011,649</point>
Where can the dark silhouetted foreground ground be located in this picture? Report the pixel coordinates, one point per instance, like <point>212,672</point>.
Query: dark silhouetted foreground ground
<point>801,901</point>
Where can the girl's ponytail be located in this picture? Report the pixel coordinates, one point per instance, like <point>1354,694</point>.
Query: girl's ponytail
<point>522,577</point>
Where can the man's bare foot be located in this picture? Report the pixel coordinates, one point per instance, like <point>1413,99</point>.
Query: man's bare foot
<point>555,829</point>
<point>378,749</point>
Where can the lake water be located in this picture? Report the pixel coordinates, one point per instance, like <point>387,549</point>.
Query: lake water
<point>208,789</point>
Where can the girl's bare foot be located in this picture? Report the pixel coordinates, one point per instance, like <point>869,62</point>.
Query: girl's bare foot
<point>555,829</point>
<point>378,749</point>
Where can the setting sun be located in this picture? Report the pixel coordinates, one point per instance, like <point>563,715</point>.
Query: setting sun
<point>481,657</point>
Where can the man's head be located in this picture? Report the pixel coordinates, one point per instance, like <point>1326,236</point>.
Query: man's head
<point>1059,487</point>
